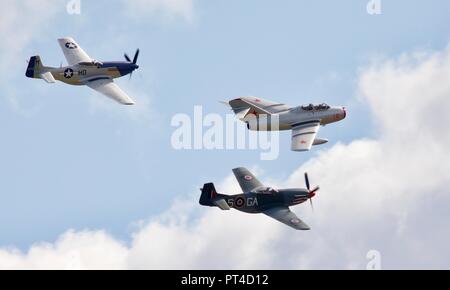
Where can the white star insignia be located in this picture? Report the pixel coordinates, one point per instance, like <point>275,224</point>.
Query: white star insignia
<point>68,74</point>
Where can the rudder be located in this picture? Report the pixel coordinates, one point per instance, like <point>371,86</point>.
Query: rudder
<point>34,67</point>
<point>209,193</point>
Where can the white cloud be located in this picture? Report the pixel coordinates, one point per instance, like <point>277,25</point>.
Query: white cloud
<point>389,194</point>
<point>73,250</point>
<point>167,10</point>
<point>20,22</point>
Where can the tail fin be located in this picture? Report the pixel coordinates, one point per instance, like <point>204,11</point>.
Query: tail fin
<point>209,193</point>
<point>34,67</point>
<point>210,197</point>
<point>37,70</point>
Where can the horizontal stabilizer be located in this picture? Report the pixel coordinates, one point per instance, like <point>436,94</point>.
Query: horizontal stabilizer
<point>222,204</point>
<point>48,77</point>
<point>242,113</point>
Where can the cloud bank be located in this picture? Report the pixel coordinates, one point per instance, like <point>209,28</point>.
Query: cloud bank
<point>388,194</point>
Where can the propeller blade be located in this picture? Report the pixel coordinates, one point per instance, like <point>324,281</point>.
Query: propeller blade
<point>136,55</point>
<point>312,206</point>
<point>307,180</point>
<point>315,189</point>
<point>127,57</point>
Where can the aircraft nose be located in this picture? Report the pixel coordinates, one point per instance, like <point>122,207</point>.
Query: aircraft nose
<point>344,112</point>
<point>136,66</point>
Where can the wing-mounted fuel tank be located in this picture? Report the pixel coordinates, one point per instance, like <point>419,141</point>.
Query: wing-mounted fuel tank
<point>319,141</point>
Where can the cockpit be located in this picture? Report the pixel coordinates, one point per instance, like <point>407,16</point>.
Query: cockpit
<point>311,107</point>
<point>266,190</point>
<point>91,63</point>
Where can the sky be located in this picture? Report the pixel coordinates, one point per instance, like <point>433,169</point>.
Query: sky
<point>87,183</point>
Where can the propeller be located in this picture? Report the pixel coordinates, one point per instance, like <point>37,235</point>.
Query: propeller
<point>136,55</point>
<point>312,192</point>
<point>135,58</point>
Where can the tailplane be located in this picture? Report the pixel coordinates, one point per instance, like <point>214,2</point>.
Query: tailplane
<point>210,197</point>
<point>37,70</point>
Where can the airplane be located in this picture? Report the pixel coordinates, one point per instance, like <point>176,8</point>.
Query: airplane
<point>257,198</point>
<point>304,121</point>
<point>83,70</point>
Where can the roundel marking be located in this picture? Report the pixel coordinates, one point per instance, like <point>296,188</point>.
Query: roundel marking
<point>248,177</point>
<point>240,201</point>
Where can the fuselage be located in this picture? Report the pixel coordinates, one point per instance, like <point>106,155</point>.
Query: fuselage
<point>293,117</point>
<point>82,73</point>
<point>262,200</point>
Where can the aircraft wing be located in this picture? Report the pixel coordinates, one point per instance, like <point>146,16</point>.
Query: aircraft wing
<point>246,179</point>
<point>72,51</point>
<point>287,217</point>
<point>108,88</point>
<point>303,135</point>
<point>251,105</point>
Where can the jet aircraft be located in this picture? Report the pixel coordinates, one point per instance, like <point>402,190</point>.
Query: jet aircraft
<point>304,121</point>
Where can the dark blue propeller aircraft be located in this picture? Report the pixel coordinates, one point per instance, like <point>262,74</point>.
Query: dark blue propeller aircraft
<point>257,198</point>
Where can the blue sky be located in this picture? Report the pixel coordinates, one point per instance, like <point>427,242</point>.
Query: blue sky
<point>68,162</point>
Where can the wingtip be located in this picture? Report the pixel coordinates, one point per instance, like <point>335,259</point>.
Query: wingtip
<point>65,38</point>
<point>129,102</point>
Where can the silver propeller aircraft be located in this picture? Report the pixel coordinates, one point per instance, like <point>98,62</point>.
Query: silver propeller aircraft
<point>257,198</point>
<point>304,121</point>
<point>83,70</point>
